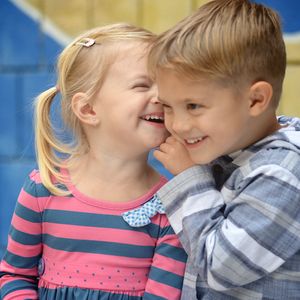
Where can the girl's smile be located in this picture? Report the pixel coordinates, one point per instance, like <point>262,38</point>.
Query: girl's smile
<point>154,119</point>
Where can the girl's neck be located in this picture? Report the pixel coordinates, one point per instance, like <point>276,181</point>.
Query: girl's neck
<point>113,179</point>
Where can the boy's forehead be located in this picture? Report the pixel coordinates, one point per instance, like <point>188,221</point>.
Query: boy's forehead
<point>172,88</point>
<point>177,88</point>
<point>170,81</point>
<point>168,73</point>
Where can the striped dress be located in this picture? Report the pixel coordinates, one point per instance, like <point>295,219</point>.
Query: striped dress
<point>239,221</point>
<point>81,248</point>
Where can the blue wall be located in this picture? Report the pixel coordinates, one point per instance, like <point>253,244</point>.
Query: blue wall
<point>26,68</point>
<point>27,57</point>
<point>289,11</point>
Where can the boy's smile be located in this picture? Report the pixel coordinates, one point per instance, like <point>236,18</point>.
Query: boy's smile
<point>209,119</point>
<point>193,141</point>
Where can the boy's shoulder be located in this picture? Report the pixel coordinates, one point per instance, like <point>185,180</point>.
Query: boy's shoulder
<point>267,166</point>
<point>274,155</point>
<point>272,162</point>
<point>282,148</point>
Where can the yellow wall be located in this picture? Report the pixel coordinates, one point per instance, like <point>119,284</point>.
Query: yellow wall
<point>290,101</point>
<point>76,16</point>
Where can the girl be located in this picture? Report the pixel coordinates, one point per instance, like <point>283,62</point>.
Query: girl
<point>74,232</point>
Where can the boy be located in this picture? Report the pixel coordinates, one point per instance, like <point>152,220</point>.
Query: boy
<point>236,203</point>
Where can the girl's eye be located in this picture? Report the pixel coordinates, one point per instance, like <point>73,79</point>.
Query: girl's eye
<point>141,86</point>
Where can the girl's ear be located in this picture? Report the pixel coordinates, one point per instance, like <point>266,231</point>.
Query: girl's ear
<point>261,93</point>
<point>84,110</point>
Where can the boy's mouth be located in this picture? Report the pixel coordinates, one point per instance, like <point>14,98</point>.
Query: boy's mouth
<point>193,141</point>
<point>154,117</point>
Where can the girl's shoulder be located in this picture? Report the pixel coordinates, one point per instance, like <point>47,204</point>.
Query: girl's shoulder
<point>33,195</point>
<point>33,185</point>
<point>34,176</point>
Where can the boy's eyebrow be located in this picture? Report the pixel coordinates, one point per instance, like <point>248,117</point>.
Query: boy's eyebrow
<point>186,100</point>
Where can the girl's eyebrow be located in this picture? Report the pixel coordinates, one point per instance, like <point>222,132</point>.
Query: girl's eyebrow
<point>140,76</point>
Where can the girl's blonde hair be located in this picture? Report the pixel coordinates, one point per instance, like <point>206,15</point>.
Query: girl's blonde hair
<point>81,67</point>
<point>230,41</point>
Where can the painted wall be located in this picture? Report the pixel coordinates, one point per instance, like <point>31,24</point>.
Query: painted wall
<point>27,54</point>
<point>33,32</point>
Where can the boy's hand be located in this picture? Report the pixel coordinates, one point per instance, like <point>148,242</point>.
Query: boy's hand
<point>173,155</point>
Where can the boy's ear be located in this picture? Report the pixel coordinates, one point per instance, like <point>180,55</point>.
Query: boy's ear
<point>84,110</point>
<point>261,93</point>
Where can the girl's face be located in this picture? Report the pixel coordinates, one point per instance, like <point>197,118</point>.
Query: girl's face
<point>131,119</point>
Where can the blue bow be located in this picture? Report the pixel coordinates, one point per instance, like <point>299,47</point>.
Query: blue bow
<point>141,216</point>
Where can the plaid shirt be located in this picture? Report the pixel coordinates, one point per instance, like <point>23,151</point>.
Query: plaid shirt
<point>239,221</point>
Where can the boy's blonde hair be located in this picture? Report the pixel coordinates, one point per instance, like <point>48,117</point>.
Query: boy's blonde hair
<point>230,41</point>
<point>80,68</point>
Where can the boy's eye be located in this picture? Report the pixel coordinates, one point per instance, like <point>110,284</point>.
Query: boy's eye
<point>193,106</point>
<point>166,107</point>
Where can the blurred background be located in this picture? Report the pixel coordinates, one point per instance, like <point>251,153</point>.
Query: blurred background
<point>33,32</point>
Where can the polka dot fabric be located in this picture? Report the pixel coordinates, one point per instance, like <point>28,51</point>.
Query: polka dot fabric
<point>142,215</point>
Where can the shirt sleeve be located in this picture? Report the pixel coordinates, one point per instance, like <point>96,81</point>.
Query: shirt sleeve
<point>168,265</point>
<point>240,234</point>
<point>19,266</point>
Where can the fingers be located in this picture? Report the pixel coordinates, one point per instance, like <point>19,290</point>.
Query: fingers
<point>169,145</point>
<point>161,157</point>
<point>171,140</point>
<point>158,155</point>
<point>164,147</point>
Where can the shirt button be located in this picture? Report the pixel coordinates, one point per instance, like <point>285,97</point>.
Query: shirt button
<point>41,267</point>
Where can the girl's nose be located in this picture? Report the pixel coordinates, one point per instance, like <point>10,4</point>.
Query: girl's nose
<point>154,100</point>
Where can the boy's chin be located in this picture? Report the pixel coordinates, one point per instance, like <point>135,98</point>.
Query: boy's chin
<point>202,160</point>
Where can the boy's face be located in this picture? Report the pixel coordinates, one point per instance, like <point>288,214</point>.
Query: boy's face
<point>209,119</point>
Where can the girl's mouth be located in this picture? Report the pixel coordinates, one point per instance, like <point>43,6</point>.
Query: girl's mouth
<point>154,117</point>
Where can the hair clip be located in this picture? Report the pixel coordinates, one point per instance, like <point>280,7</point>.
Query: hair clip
<point>86,42</point>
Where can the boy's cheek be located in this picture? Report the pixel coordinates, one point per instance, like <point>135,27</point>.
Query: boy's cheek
<point>168,133</point>
<point>168,127</point>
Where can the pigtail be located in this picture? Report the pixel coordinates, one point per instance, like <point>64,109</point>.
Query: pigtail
<point>47,145</point>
